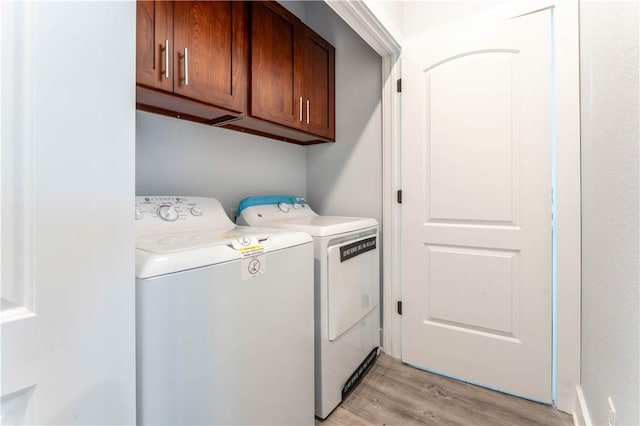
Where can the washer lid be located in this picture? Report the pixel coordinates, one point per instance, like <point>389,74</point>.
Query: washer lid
<point>172,242</point>
<point>166,253</point>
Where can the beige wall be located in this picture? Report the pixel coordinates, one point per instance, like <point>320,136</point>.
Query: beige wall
<point>610,115</point>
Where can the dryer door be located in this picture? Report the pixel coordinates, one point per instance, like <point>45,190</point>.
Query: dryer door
<point>353,282</point>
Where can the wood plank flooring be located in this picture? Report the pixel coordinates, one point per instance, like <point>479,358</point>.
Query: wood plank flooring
<point>395,394</point>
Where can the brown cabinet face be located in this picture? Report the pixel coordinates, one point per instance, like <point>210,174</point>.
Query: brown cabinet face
<point>154,44</point>
<point>272,65</point>
<point>193,60</point>
<point>317,84</point>
<point>292,72</point>
<point>210,55</point>
<point>195,49</point>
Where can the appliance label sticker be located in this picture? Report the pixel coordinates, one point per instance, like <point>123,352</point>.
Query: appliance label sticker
<point>352,250</point>
<point>254,266</point>
<point>254,262</point>
<point>247,246</point>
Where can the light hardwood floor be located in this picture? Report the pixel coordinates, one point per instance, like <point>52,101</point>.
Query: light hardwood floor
<point>395,394</point>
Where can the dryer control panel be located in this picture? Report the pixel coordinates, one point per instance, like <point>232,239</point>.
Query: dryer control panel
<point>264,209</point>
<point>176,213</point>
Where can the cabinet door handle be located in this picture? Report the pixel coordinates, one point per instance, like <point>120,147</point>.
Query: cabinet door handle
<point>165,51</point>
<point>307,111</point>
<point>301,109</point>
<point>186,67</point>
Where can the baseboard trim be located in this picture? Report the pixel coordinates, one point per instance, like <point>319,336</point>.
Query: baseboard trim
<point>581,416</point>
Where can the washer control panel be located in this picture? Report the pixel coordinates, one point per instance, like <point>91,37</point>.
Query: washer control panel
<point>168,209</point>
<point>175,213</point>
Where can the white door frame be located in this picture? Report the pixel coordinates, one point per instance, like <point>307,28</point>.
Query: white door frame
<point>364,22</point>
<point>567,87</point>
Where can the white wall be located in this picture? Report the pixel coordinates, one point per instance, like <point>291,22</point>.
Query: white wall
<point>183,158</point>
<point>421,16</point>
<point>390,14</point>
<point>609,36</point>
<point>407,18</point>
<point>68,95</point>
<point>345,178</point>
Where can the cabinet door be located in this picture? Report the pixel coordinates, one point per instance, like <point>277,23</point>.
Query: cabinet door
<point>211,52</point>
<point>154,44</point>
<point>315,68</point>
<point>272,65</point>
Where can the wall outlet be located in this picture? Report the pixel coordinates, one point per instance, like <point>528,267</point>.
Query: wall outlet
<point>612,413</point>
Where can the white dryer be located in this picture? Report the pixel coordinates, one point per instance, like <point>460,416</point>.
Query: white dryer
<point>224,318</point>
<point>347,290</point>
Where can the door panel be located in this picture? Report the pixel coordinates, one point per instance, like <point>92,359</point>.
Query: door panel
<point>316,84</point>
<point>154,44</point>
<point>66,248</point>
<point>473,289</point>
<point>272,64</point>
<point>477,212</point>
<point>352,287</point>
<point>476,91</point>
<point>214,32</point>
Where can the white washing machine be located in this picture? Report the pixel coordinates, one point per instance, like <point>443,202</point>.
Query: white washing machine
<point>347,290</point>
<point>224,318</point>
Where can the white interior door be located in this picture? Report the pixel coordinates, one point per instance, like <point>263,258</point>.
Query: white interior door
<point>477,255</point>
<point>67,191</point>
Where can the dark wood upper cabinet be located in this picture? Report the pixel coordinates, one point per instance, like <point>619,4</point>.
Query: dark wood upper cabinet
<point>196,51</point>
<point>292,73</point>
<point>273,32</point>
<point>154,35</point>
<point>316,84</point>
<point>248,66</point>
<point>210,39</point>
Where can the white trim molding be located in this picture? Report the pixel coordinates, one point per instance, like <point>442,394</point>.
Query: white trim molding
<point>391,183</point>
<point>581,416</point>
<point>364,22</point>
<point>569,224</point>
<point>18,23</point>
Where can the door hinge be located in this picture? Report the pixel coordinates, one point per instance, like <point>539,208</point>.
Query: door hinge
<point>399,85</point>
<point>399,307</point>
<point>399,196</point>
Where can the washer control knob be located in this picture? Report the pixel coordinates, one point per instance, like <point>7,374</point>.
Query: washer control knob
<point>195,211</point>
<point>284,207</point>
<point>168,213</point>
<point>138,214</point>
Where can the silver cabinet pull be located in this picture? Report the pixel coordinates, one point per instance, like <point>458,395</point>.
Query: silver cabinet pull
<point>166,58</point>
<point>186,67</point>
<point>307,111</point>
<point>301,109</point>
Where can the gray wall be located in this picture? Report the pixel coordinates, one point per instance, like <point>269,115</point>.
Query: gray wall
<point>345,178</point>
<point>297,7</point>
<point>610,114</point>
<point>180,157</point>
